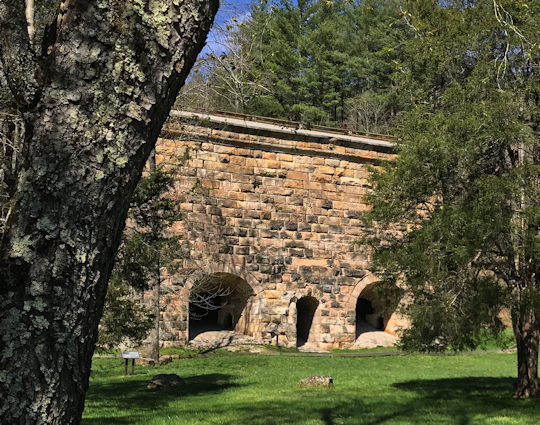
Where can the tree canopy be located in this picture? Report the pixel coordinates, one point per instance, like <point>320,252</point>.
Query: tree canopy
<point>310,61</point>
<point>456,217</point>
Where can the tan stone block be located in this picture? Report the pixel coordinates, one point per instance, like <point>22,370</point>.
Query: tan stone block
<point>242,152</point>
<point>332,162</point>
<point>283,157</point>
<point>264,172</point>
<point>325,170</point>
<point>296,175</point>
<point>272,294</point>
<point>355,166</point>
<point>252,162</point>
<point>302,159</point>
<point>208,156</point>
<point>253,197</point>
<point>321,178</point>
<point>241,178</point>
<point>246,241</point>
<point>348,191</point>
<point>230,150</point>
<point>354,231</point>
<point>216,166</point>
<point>313,186</point>
<point>237,160</point>
<point>210,184</point>
<point>267,163</point>
<point>309,262</point>
<point>253,206</point>
<point>265,242</point>
<point>294,183</point>
<point>333,196</point>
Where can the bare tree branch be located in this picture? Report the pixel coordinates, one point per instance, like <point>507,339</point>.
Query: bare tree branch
<point>30,20</point>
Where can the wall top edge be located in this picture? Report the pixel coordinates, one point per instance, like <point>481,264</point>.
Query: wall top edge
<point>284,129</point>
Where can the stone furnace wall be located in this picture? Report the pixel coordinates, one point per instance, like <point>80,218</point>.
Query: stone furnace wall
<point>271,216</point>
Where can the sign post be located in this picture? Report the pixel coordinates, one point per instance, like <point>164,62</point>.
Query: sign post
<point>130,355</point>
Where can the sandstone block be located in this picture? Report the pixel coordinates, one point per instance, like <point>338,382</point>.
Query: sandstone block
<point>272,295</point>
<point>296,175</point>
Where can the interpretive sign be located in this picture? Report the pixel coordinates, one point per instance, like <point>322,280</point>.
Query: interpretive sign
<point>130,355</point>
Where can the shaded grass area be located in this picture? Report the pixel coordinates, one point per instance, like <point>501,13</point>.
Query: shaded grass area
<point>259,390</point>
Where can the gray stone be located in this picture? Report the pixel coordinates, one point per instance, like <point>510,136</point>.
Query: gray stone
<point>164,380</point>
<point>319,381</point>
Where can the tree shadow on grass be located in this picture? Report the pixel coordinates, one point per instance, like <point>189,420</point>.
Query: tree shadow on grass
<point>457,401</point>
<point>461,400</point>
<point>134,396</point>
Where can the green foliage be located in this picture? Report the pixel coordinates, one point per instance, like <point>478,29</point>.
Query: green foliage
<point>123,317</point>
<point>147,248</point>
<point>308,61</point>
<point>318,54</point>
<point>456,217</point>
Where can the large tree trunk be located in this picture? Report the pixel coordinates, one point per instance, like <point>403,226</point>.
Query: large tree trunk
<point>93,109</point>
<point>527,334</point>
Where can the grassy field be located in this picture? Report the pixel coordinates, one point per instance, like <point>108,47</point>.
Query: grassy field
<point>262,390</point>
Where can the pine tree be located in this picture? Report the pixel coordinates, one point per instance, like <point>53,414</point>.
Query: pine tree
<point>147,249</point>
<point>457,216</point>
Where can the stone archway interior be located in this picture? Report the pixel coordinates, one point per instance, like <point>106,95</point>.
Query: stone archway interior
<point>368,313</point>
<point>305,310</point>
<point>218,302</point>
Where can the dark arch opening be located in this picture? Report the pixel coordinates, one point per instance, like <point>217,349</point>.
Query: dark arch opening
<point>217,302</point>
<point>366,319</point>
<point>305,310</point>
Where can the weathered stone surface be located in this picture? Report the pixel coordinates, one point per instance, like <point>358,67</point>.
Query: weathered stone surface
<point>282,215</point>
<point>319,381</point>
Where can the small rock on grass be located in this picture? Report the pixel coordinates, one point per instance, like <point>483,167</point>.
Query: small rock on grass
<point>319,381</point>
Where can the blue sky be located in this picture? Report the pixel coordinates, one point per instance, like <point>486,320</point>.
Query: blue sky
<point>227,10</point>
<point>230,8</point>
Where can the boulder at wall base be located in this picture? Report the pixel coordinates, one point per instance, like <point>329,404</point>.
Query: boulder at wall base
<point>164,380</point>
<point>319,381</point>
<point>163,360</point>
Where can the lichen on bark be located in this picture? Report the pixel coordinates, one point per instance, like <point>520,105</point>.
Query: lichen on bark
<point>93,107</point>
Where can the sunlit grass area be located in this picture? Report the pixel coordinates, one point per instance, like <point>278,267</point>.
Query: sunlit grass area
<point>414,389</point>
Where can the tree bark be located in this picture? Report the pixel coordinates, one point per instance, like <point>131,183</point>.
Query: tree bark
<point>526,331</point>
<point>93,109</point>
<point>153,335</point>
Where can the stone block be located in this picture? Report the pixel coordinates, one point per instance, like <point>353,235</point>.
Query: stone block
<point>272,295</point>
<point>296,175</point>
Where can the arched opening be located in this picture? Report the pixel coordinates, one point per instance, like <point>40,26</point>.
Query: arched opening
<point>367,318</point>
<point>218,302</point>
<point>305,310</point>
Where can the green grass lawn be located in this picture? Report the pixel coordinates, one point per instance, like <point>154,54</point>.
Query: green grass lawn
<point>262,390</point>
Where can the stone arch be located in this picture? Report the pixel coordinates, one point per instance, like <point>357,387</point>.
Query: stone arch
<point>368,280</point>
<point>175,326</point>
<point>214,267</point>
<point>306,307</point>
<point>365,305</point>
<point>225,301</point>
